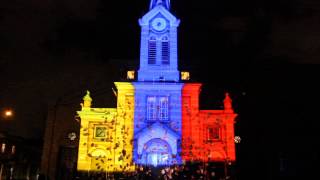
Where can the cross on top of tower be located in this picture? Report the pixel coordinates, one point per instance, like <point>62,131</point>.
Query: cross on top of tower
<point>164,3</point>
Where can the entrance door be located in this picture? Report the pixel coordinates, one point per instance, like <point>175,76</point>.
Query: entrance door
<point>157,152</point>
<point>156,159</point>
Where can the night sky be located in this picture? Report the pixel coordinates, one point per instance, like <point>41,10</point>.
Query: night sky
<point>266,53</point>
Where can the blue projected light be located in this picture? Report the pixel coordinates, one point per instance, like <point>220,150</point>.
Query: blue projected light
<point>157,129</point>
<point>158,51</point>
<point>157,152</point>
<point>165,3</point>
<point>157,112</point>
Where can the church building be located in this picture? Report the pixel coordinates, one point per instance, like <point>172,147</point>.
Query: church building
<point>157,120</point>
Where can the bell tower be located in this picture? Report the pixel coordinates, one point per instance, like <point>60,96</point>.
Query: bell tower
<point>157,107</point>
<point>158,51</point>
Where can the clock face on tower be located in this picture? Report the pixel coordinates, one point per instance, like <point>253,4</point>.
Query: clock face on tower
<point>159,24</point>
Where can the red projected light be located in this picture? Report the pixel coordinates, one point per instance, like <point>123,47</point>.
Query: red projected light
<point>207,135</point>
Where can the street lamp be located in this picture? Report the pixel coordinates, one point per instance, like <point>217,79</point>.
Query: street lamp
<point>8,113</point>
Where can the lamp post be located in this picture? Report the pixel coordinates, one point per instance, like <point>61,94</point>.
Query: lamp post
<point>6,114</point>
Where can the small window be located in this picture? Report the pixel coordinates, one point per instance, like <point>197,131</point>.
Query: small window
<point>152,48</point>
<point>185,76</point>
<point>213,134</point>
<point>100,132</point>
<point>165,50</point>
<point>130,75</point>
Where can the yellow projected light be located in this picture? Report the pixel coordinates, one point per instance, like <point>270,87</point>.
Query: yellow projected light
<point>185,76</point>
<point>130,75</point>
<point>106,134</point>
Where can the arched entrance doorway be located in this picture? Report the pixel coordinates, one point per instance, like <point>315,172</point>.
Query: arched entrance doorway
<point>157,152</point>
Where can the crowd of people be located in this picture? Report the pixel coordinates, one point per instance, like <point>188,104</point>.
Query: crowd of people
<point>188,171</point>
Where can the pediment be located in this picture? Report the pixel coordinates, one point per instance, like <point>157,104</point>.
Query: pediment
<point>158,130</point>
<point>159,11</point>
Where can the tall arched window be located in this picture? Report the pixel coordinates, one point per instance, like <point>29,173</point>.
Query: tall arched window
<point>152,50</point>
<point>157,108</point>
<point>163,103</point>
<point>165,50</point>
<point>151,108</point>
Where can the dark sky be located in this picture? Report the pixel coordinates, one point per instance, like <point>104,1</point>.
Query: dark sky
<point>265,52</point>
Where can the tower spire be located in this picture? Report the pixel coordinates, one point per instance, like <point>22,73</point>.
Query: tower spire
<point>164,3</point>
<point>227,104</point>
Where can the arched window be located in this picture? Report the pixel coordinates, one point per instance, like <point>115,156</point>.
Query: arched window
<point>151,108</point>
<point>163,103</point>
<point>158,108</point>
<point>165,50</point>
<point>213,133</point>
<point>152,48</point>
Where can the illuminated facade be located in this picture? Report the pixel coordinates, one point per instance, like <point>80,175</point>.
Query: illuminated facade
<point>157,120</point>
<point>106,133</point>
<point>207,135</point>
